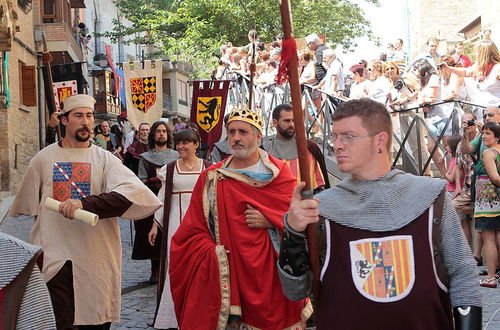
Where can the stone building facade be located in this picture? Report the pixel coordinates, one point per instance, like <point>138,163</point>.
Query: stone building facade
<point>448,20</point>
<point>19,116</point>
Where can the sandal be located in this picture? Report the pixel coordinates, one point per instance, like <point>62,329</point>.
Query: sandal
<point>479,261</point>
<point>488,283</point>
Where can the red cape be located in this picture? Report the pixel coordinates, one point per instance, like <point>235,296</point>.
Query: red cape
<point>231,269</point>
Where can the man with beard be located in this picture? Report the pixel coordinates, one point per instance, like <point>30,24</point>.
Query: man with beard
<point>223,258</point>
<point>81,263</point>
<point>160,153</point>
<point>138,147</point>
<point>283,146</point>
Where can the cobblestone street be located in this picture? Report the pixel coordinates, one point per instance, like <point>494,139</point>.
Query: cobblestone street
<point>138,297</point>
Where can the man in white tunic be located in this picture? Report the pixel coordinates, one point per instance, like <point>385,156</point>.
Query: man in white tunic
<point>81,263</point>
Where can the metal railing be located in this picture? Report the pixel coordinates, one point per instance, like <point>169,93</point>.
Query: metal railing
<point>409,148</point>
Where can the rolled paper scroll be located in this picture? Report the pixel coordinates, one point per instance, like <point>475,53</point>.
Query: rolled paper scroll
<point>88,217</point>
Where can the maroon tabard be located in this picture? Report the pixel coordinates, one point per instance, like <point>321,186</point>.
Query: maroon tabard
<point>383,280</point>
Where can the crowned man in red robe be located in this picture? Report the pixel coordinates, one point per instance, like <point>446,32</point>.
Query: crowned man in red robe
<point>223,271</point>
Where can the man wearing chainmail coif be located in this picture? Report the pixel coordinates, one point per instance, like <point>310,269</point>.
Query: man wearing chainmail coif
<point>395,256</point>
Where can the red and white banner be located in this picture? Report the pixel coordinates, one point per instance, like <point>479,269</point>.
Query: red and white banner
<point>62,90</point>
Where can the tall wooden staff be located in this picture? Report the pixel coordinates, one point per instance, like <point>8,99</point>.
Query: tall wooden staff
<point>300,137</point>
<point>252,73</point>
<point>47,60</point>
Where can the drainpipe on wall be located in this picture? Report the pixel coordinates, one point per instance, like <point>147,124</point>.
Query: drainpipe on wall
<point>41,109</point>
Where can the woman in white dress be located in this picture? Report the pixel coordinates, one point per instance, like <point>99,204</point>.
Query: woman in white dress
<point>178,179</point>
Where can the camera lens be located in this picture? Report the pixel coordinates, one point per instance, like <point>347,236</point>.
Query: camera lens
<point>471,122</point>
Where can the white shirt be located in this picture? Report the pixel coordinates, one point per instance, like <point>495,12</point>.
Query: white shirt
<point>359,90</point>
<point>334,72</point>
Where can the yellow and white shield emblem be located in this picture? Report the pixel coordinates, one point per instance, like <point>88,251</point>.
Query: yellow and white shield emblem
<point>208,112</point>
<point>383,269</point>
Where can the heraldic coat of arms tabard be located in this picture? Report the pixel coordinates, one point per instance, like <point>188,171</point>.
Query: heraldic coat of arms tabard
<point>383,269</point>
<point>143,92</point>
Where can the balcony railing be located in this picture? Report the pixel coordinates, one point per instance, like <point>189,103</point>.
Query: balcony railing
<point>107,104</point>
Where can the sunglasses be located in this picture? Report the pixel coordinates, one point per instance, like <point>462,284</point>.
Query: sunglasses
<point>491,115</point>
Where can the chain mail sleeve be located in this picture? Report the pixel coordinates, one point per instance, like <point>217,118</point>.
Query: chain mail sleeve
<point>293,265</point>
<point>458,260</point>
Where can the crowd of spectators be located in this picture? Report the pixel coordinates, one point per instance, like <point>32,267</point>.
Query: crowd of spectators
<point>427,87</point>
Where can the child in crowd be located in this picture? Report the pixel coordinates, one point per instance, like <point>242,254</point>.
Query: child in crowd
<point>455,174</point>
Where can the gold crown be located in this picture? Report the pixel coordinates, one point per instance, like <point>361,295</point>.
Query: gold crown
<point>244,114</point>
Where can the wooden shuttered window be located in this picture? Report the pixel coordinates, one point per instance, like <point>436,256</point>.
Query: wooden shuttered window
<point>166,87</point>
<point>28,86</point>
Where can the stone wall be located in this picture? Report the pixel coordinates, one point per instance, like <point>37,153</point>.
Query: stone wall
<point>489,10</point>
<point>19,124</point>
<point>442,19</point>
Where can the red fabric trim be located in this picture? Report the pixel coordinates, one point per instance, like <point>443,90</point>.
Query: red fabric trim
<point>117,78</point>
<point>288,52</point>
<point>137,148</point>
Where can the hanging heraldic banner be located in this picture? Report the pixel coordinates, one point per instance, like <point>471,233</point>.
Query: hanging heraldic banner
<point>143,91</point>
<point>62,90</point>
<point>208,107</point>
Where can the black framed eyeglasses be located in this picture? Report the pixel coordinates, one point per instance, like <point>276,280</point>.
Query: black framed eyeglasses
<point>490,114</point>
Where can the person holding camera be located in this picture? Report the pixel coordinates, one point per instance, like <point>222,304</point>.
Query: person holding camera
<point>436,115</point>
<point>464,203</point>
<point>476,148</point>
<point>403,96</point>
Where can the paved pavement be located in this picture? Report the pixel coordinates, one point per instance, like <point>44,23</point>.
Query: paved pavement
<point>138,297</point>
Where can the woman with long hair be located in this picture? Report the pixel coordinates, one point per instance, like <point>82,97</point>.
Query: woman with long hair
<point>437,116</point>
<point>486,73</point>
<point>178,179</point>
<point>452,85</point>
<point>487,204</point>
<point>404,95</point>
